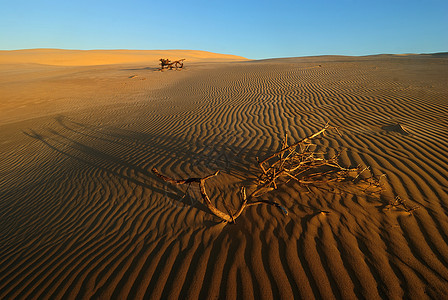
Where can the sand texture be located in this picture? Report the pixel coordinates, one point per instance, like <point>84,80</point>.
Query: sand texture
<point>82,216</point>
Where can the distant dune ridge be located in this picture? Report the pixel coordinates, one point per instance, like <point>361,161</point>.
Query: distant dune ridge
<point>61,57</point>
<point>83,217</point>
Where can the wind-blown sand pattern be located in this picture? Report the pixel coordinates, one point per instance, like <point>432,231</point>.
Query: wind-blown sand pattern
<point>82,216</point>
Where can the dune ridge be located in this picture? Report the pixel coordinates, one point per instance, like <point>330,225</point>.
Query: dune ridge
<point>82,216</point>
<point>63,57</point>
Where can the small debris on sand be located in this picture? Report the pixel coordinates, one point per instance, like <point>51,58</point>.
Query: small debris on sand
<point>396,127</point>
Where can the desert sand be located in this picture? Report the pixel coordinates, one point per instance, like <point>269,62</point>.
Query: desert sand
<point>59,57</point>
<point>82,215</point>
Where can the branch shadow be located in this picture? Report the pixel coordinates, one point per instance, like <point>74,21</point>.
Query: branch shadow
<point>69,147</point>
<point>141,69</point>
<point>94,146</point>
<point>224,157</point>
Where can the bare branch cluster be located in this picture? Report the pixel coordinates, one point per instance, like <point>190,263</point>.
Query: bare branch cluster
<point>168,64</point>
<point>301,163</point>
<point>298,162</point>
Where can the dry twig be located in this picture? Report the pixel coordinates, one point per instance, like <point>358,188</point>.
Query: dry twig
<point>401,202</point>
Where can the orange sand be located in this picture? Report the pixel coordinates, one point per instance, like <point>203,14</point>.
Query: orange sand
<point>60,57</point>
<point>82,216</point>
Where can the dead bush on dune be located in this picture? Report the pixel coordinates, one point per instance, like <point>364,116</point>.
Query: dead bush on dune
<point>168,64</point>
<point>296,162</point>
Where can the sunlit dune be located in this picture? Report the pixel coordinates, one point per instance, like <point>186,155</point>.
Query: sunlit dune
<point>102,57</point>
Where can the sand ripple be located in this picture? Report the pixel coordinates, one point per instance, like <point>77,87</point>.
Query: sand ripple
<point>82,216</point>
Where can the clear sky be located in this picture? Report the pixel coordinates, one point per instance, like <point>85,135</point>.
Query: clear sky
<point>254,29</point>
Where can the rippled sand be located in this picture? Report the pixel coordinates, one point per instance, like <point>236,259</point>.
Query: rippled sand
<point>82,216</point>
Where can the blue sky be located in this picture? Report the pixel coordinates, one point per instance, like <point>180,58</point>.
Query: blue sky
<point>254,29</point>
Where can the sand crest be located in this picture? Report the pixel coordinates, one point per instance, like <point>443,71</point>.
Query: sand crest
<point>82,216</point>
<point>59,57</point>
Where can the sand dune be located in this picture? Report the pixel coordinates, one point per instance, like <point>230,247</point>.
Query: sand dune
<point>59,57</point>
<point>82,216</point>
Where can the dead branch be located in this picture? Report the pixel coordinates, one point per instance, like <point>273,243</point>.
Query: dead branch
<point>168,64</point>
<point>228,217</point>
<point>298,161</point>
